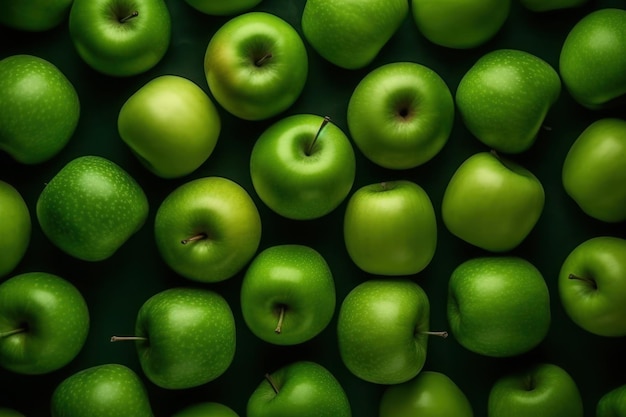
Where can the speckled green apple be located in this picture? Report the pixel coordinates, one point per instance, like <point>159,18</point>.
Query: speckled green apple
<point>221,7</point>
<point>120,38</point>
<point>592,62</point>
<point>351,33</point>
<point>505,96</point>
<point>34,15</point>
<point>91,207</point>
<point>288,294</point>
<point>550,5</point>
<point>39,108</point>
<point>594,170</point>
<point>256,65</point>
<point>303,389</point>
<point>44,321</point>
<point>206,409</point>
<point>185,337</point>
<point>15,229</point>
<point>171,125</point>
<point>208,229</point>
<point>108,390</point>
<point>303,166</point>
<point>430,393</point>
<point>612,403</point>
<point>498,306</point>
<point>400,115</point>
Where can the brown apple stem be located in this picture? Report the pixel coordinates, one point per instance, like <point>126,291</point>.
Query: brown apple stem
<point>195,238</point>
<point>126,338</point>
<point>317,135</point>
<point>271,382</point>
<point>259,62</point>
<point>130,16</point>
<point>12,332</point>
<point>585,279</point>
<point>281,317</point>
<point>442,334</point>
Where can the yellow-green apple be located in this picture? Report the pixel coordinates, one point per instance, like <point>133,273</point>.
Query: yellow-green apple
<point>15,228</point>
<point>34,15</point>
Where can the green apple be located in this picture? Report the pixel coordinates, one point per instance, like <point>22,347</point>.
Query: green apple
<point>108,390</point>
<point>91,207</point>
<point>15,228</point>
<point>301,388</point>
<point>34,15</point>
<point>44,321</point>
<point>400,115</point>
<point>550,5</point>
<point>120,38</point>
<point>492,202</point>
<point>594,170</point>
<point>544,390</point>
<point>351,33</point>
<point>39,108</point>
<point>185,337</point>
<point>171,125</point>
<point>208,229</point>
<point>592,285</point>
<point>302,166</point>
<point>592,61</point>
<point>256,65</point>
<point>206,409</point>
<point>430,393</point>
<point>390,228</point>
<point>383,329</point>
<point>221,7</point>
<point>612,403</point>
<point>288,294</point>
<point>498,306</point>
<point>505,97</point>
<point>9,412</point>
<point>460,24</point>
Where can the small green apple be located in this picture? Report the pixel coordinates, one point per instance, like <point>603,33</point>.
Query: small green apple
<point>612,403</point>
<point>15,228</point>
<point>206,409</point>
<point>34,15</point>
<point>221,7</point>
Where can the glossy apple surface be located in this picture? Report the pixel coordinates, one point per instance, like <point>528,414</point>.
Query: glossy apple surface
<point>15,228</point>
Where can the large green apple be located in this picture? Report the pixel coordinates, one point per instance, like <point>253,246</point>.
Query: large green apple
<point>544,389</point>
<point>303,389</point>
<point>460,24</point>
<point>39,108</point>
<point>15,228</point>
<point>303,166</point>
<point>592,62</point>
<point>492,202</point>
<point>594,170</point>
<point>91,207</point>
<point>400,115</point>
<point>256,65</point>
<point>208,229</point>
<point>120,38</point>
<point>498,306</point>
<point>185,337</point>
<point>288,294</point>
<point>592,285</point>
<point>206,409</point>
<point>108,390</point>
<point>222,7</point>
<point>34,15</point>
<point>390,228</point>
<point>550,5</point>
<point>171,125</point>
<point>505,96</point>
<point>612,403</point>
<point>44,321</point>
<point>351,33</point>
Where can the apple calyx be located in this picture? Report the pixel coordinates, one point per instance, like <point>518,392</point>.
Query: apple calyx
<point>269,379</point>
<point>590,281</point>
<point>317,135</point>
<point>12,332</point>
<point>127,338</point>
<point>281,317</point>
<point>132,15</point>
<point>194,238</point>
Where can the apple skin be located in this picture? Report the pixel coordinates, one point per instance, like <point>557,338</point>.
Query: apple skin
<point>460,24</point>
<point>544,390</point>
<point>430,393</point>
<point>208,229</point>
<point>594,170</point>
<point>15,228</point>
<point>206,409</point>
<point>612,403</point>
<point>256,65</point>
<point>505,96</point>
<point>108,390</point>
<point>303,389</point>
<point>592,286</point>
<point>547,6</point>
<point>221,7</point>
<point>382,330</point>
<point>39,109</point>
<point>390,228</point>
<point>112,42</point>
<point>91,207</point>
<point>303,167</point>
<point>171,125</point>
<point>400,115</point>
<point>294,281</point>
<point>54,321</point>
<point>34,15</point>
<point>492,202</point>
<point>498,306</point>
<point>592,62</point>
<point>351,33</point>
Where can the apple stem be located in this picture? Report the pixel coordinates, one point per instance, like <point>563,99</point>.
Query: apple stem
<point>195,238</point>
<point>130,16</point>
<point>268,377</point>
<point>259,62</point>
<point>587,280</point>
<point>281,317</point>
<point>126,338</point>
<point>317,135</point>
<point>442,334</point>
<point>12,332</point>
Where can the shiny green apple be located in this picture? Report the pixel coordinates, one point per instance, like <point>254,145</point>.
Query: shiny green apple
<point>612,403</point>
<point>15,228</point>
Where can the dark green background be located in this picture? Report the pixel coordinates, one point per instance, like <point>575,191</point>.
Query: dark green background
<point>116,288</point>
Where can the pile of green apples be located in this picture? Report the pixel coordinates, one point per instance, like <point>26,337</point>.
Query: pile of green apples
<point>312,247</point>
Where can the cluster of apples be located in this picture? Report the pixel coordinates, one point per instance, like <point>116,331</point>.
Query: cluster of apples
<point>303,167</point>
